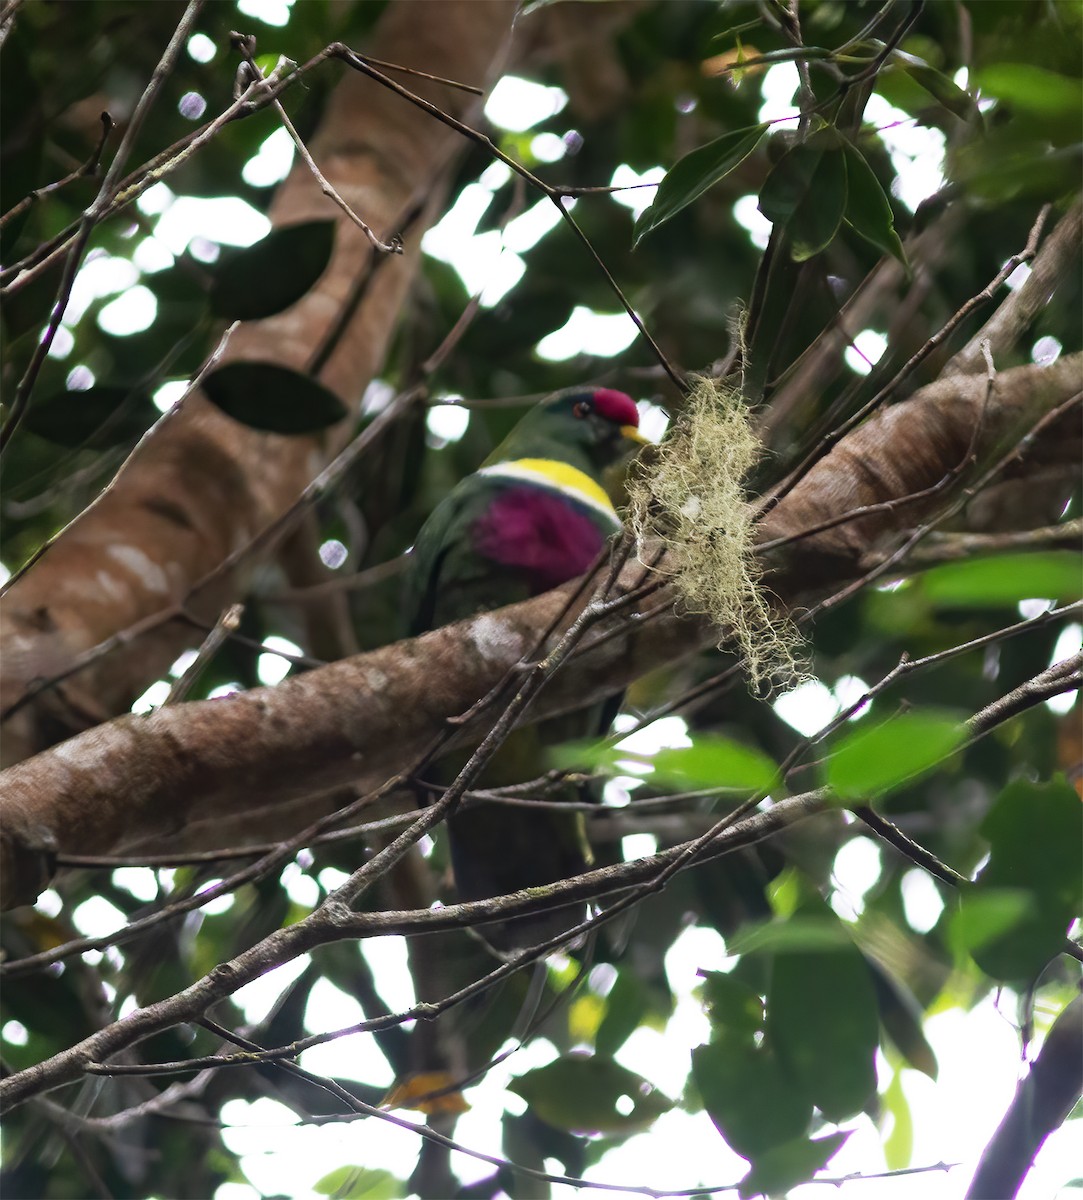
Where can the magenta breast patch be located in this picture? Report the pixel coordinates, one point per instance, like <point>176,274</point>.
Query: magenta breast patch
<point>539,532</point>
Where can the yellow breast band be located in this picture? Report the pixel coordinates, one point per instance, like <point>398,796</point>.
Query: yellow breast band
<point>560,477</point>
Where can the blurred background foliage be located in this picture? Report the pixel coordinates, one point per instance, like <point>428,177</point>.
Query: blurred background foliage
<point>795,1018</point>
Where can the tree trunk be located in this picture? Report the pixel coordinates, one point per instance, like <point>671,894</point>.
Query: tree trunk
<point>200,484</point>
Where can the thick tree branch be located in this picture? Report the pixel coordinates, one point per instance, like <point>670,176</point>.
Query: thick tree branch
<point>177,777</point>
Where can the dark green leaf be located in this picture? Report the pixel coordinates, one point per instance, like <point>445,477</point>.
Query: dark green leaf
<point>96,418</point>
<point>1006,579</point>
<point>954,98</point>
<point>789,181</point>
<point>902,1019</point>
<point>692,175</point>
<point>272,274</point>
<point>784,1167</point>
<point>591,1094</point>
<point>868,212</point>
<point>822,1022</point>
<point>815,222</point>
<point>272,398</point>
<point>1015,919</point>
<point>879,755</point>
<point>749,1096</point>
<point>1032,88</point>
<point>625,1007</point>
<point>731,1005</point>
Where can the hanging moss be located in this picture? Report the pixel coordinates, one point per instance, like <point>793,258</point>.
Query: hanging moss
<point>690,498</point>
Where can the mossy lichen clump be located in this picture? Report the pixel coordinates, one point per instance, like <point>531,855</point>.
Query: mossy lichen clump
<point>690,499</point>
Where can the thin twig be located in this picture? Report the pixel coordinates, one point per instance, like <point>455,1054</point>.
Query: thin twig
<point>246,45</point>
<point>88,169</point>
<point>834,436</point>
<point>226,624</point>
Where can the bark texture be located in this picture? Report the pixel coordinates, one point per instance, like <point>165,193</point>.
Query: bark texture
<point>186,774</point>
<point>200,485</point>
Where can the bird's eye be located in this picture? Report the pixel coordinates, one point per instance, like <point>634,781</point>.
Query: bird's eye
<point>582,409</point>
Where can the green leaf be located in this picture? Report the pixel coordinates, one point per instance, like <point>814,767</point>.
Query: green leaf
<point>898,1146</point>
<point>880,755</point>
<point>97,418</point>
<point>272,398</point>
<point>1006,579</point>
<point>1015,918</point>
<point>714,761</point>
<point>748,1095</point>
<point>784,1167</point>
<point>813,226</point>
<point>955,99</point>
<point>789,181</point>
<point>1033,89</point>
<point>692,175</point>
<point>360,1183</point>
<point>868,212</point>
<point>273,273</point>
<point>731,1005</point>
<point>591,1094</point>
<point>806,193</point>
<point>625,1006</point>
<point>822,1022</point>
<point>902,1019</point>
<point>985,916</point>
<point>797,934</point>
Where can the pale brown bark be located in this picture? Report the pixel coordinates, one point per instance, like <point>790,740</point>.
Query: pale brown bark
<point>201,485</point>
<point>189,773</point>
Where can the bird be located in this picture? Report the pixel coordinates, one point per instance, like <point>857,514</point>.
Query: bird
<point>534,515</point>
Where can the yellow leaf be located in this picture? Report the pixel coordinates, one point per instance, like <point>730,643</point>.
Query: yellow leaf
<point>429,1092</point>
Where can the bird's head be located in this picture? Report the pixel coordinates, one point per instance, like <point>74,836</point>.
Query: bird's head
<point>599,424</point>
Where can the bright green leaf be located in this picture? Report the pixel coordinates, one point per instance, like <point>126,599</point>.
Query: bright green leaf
<point>898,1145</point>
<point>1032,88</point>
<point>272,398</point>
<point>749,1096</point>
<point>868,212</point>
<point>784,1167</point>
<point>877,756</point>
<point>590,1094</point>
<point>360,1183</point>
<point>985,916</point>
<point>1006,579</point>
<point>273,273</point>
<point>797,934</point>
<point>692,175</point>
<point>714,761</point>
